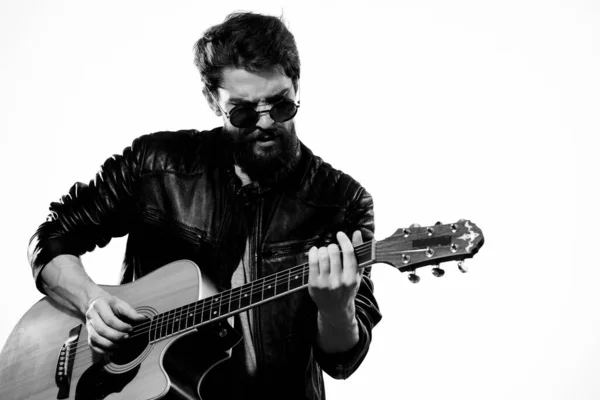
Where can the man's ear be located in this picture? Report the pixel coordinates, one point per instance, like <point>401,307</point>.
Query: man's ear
<point>211,101</point>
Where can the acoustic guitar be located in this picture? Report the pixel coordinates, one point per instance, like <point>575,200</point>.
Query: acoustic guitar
<point>47,355</point>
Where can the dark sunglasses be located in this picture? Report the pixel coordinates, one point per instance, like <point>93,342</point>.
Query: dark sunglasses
<point>246,115</point>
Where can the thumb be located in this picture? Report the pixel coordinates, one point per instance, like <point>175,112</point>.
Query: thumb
<point>357,238</point>
<point>124,309</point>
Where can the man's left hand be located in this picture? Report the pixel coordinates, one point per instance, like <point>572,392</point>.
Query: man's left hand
<point>334,278</point>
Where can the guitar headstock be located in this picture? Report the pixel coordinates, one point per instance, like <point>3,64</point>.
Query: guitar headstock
<point>411,248</point>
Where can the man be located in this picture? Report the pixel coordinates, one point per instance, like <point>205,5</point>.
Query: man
<point>242,201</point>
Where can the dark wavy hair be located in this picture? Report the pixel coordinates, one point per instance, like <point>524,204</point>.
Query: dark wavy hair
<point>248,41</point>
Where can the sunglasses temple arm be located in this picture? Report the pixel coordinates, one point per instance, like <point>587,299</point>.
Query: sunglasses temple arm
<point>218,105</point>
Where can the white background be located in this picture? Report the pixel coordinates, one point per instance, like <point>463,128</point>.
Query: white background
<point>443,110</point>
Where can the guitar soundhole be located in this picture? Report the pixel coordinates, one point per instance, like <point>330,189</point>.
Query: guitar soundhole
<point>130,349</point>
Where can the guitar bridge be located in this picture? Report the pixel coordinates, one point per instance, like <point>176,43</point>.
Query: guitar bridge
<point>64,365</point>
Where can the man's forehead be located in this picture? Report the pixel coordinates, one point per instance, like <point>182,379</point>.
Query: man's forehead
<point>239,84</point>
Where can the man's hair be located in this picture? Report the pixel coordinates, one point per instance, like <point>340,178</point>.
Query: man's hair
<point>247,41</point>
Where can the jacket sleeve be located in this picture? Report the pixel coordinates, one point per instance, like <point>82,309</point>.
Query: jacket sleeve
<point>360,216</point>
<point>89,215</point>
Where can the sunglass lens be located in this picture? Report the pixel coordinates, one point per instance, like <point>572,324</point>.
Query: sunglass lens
<point>283,111</point>
<point>243,117</point>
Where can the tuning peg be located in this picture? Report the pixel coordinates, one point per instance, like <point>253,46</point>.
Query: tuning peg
<point>437,271</point>
<point>413,277</point>
<point>438,223</point>
<point>462,267</point>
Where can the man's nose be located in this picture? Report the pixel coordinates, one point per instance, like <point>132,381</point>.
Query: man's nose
<point>264,119</point>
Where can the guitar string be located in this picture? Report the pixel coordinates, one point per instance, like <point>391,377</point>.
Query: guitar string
<point>171,317</point>
<point>204,306</point>
<point>235,294</point>
<point>360,250</point>
<point>255,287</point>
<point>81,347</point>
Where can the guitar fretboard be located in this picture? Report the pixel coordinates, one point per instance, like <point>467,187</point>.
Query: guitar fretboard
<point>232,301</point>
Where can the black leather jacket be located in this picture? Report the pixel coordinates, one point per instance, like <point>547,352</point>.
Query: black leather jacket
<point>177,197</point>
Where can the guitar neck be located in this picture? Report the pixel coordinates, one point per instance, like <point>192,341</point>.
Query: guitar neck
<point>233,301</point>
<point>406,249</point>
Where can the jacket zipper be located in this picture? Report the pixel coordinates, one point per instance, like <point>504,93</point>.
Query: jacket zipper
<point>257,318</point>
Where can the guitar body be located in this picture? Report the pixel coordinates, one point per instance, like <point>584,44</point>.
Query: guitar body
<point>171,368</point>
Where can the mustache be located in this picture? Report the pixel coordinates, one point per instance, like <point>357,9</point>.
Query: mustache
<point>259,133</point>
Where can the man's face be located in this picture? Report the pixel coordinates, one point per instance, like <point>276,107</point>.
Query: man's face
<point>270,147</point>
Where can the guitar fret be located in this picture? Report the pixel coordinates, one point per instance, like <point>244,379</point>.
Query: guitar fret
<point>198,307</point>
<point>224,302</point>
<point>152,333</point>
<point>159,325</point>
<point>229,301</point>
<point>163,325</point>
<point>245,296</point>
<point>255,293</point>
<point>206,310</point>
<point>183,318</point>
<point>295,280</point>
<point>304,275</point>
<point>214,308</point>
<point>240,297</point>
<point>191,315</point>
<point>189,320</point>
<point>174,321</point>
<point>269,289</point>
<point>177,321</point>
<point>281,284</point>
<point>169,323</point>
<point>195,313</point>
<point>235,296</point>
<point>276,284</point>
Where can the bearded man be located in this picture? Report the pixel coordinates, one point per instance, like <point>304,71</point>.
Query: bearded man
<point>243,201</point>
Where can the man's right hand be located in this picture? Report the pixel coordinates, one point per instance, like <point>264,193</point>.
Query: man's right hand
<point>108,318</point>
<point>108,321</point>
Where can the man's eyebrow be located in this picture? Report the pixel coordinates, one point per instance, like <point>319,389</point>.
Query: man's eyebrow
<point>267,99</point>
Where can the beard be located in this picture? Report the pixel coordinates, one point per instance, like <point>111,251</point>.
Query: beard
<point>266,166</point>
